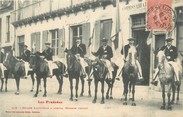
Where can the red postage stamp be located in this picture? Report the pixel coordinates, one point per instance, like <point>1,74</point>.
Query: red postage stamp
<point>160,15</point>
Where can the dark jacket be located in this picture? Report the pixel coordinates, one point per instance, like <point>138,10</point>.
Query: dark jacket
<point>126,49</point>
<point>2,57</point>
<point>171,52</point>
<point>107,51</point>
<point>26,55</point>
<point>81,49</point>
<point>48,54</point>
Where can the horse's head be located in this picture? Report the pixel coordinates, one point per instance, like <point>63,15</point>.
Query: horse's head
<point>9,58</point>
<point>70,59</point>
<point>132,55</point>
<point>161,58</point>
<point>34,60</point>
<point>99,68</point>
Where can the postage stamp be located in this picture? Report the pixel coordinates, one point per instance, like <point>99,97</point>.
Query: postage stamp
<point>160,15</point>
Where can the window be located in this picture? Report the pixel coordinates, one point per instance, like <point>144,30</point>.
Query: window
<point>21,44</point>
<point>54,39</point>
<point>8,29</point>
<point>77,32</point>
<point>138,20</point>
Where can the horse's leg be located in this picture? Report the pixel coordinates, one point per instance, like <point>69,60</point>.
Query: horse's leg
<point>133,94</point>
<point>45,92</point>
<point>130,87</point>
<point>17,80</point>
<point>82,84</point>
<point>178,91</point>
<point>169,107</point>
<point>6,79</point>
<point>2,83</point>
<point>59,82</point>
<point>102,90</point>
<point>89,88</point>
<point>111,97</point>
<point>125,91</point>
<point>40,86</point>
<point>71,88</point>
<point>163,96</point>
<point>38,83</point>
<point>96,89</point>
<point>107,93</point>
<point>76,88</point>
<point>173,92</point>
<point>33,80</point>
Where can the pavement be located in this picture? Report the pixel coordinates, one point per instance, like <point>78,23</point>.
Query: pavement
<point>147,99</point>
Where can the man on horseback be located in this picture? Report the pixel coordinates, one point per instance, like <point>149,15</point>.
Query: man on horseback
<point>132,46</point>
<point>171,55</point>
<point>105,53</point>
<point>48,57</point>
<point>79,50</point>
<point>1,62</point>
<point>25,58</point>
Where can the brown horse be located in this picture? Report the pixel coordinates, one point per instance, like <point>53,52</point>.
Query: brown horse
<point>130,76</point>
<point>166,77</point>
<point>16,67</point>
<point>40,67</point>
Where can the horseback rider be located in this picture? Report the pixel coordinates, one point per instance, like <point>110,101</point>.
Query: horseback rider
<point>171,55</point>
<point>131,45</point>
<point>105,53</point>
<point>25,57</point>
<point>79,50</point>
<point>48,57</point>
<point>1,62</point>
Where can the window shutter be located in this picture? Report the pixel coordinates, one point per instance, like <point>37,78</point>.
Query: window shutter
<point>86,36</point>
<point>61,42</point>
<point>44,39</point>
<point>38,41</point>
<point>32,42</point>
<point>97,35</point>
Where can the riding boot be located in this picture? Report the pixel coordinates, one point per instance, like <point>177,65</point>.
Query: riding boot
<point>176,77</point>
<point>155,79</point>
<point>65,74</point>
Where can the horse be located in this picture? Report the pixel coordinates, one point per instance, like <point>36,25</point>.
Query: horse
<point>16,67</point>
<point>100,74</point>
<point>6,73</point>
<point>130,76</point>
<point>40,67</point>
<point>166,77</point>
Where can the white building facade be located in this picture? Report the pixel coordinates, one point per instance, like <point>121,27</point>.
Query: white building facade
<point>61,21</point>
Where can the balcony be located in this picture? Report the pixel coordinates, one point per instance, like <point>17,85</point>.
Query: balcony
<point>45,9</point>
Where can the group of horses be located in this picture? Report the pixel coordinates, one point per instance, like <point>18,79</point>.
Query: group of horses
<point>96,68</point>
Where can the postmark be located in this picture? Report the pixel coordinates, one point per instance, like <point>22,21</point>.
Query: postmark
<point>161,17</point>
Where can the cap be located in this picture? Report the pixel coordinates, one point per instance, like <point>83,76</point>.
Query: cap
<point>169,39</point>
<point>131,39</point>
<point>104,40</point>
<point>25,45</point>
<point>78,38</point>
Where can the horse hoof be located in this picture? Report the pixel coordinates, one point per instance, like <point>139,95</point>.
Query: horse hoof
<point>89,95</point>
<point>40,90</point>
<point>130,98</point>
<point>35,95</point>
<point>6,90</point>
<point>94,101</point>
<point>107,97</point>
<point>102,102</point>
<point>71,99</point>
<point>81,94</point>
<point>76,99</point>
<point>111,97</point>
<point>124,103</point>
<point>31,90</point>
<point>169,108</point>
<point>133,104</point>
<point>59,92</point>
<point>162,107</point>
<point>16,93</point>
<point>44,95</point>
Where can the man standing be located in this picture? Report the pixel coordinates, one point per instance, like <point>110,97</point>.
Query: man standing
<point>79,50</point>
<point>48,56</point>
<point>105,53</point>
<point>131,45</point>
<point>1,62</point>
<point>171,55</point>
<point>26,57</point>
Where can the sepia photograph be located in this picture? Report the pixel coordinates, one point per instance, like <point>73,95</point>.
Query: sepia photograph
<point>91,58</point>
